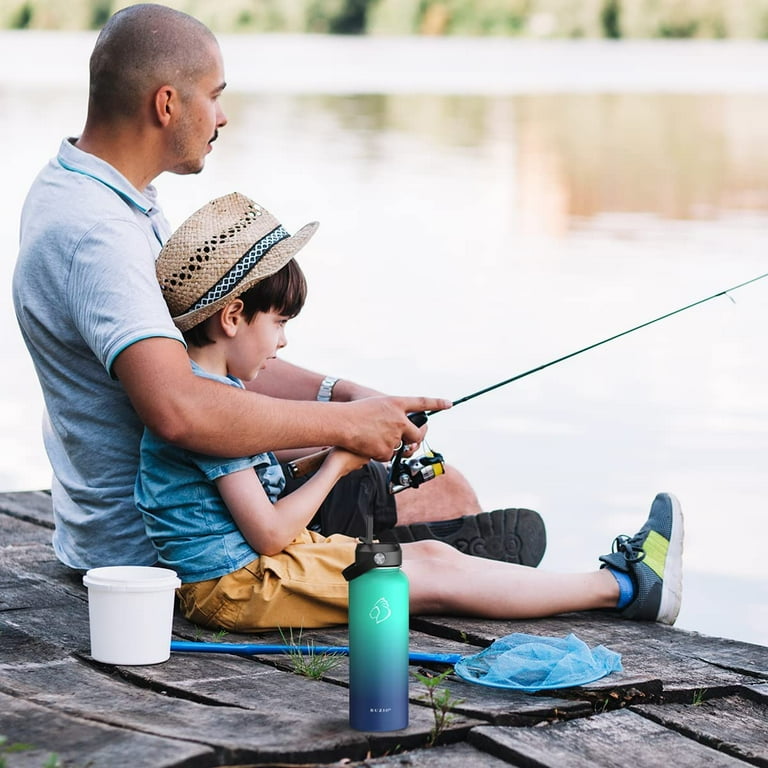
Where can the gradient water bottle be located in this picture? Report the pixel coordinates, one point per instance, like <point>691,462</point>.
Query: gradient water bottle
<point>378,638</point>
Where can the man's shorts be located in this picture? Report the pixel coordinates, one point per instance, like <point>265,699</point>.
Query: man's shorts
<point>353,497</point>
<point>300,587</point>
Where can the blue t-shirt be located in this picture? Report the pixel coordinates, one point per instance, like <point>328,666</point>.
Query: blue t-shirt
<point>184,515</point>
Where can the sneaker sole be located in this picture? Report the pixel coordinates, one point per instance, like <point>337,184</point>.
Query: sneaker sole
<point>510,535</point>
<point>672,587</point>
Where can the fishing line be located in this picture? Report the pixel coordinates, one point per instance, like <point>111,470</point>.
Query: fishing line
<point>538,368</point>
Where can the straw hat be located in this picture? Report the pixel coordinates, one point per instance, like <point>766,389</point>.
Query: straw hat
<point>219,252</point>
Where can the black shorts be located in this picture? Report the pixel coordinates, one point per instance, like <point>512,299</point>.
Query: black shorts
<point>361,492</point>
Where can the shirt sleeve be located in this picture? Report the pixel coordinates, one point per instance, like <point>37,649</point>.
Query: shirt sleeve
<point>116,298</point>
<point>267,468</point>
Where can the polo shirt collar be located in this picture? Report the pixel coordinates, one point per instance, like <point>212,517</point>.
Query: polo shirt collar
<point>73,159</point>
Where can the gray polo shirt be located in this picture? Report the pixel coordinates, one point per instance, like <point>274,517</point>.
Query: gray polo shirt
<point>84,289</point>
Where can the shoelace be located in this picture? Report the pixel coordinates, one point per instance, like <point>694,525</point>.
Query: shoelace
<point>631,548</point>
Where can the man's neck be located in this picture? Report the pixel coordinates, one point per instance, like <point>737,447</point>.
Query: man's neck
<point>125,151</point>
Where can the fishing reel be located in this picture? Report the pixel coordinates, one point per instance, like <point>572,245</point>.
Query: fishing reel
<point>413,471</point>
<point>402,472</point>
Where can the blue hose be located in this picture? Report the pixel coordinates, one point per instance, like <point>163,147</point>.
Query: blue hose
<point>252,649</point>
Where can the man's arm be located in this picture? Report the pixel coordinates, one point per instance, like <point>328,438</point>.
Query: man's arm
<point>209,417</point>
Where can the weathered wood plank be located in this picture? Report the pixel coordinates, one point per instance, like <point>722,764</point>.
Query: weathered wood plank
<point>747,658</point>
<point>59,617</point>
<point>473,701</point>
<point>17,532</point>
<point>758,692</point>
<point>66,624</point>
<point>452,756</point>
<point>54,614</point>
<point>32,506</point>
<point>227,680</point>
<point>258,729</point>
<point>321,726</point>
<point>227,709</point>
<point>78,742</point>
<point>735,725</point>
<point>611,740</point>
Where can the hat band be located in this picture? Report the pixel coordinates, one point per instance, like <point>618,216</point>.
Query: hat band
<point>240,269</point>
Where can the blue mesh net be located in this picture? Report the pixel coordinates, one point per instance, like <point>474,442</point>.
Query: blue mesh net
<point>532,663</point>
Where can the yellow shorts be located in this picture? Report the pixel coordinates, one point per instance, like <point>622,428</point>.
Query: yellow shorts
<point>300,587</point>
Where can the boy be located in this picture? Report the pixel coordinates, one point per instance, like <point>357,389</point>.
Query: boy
<point>243,552</point>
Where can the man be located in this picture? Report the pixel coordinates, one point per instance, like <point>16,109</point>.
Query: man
<point>107,354</point>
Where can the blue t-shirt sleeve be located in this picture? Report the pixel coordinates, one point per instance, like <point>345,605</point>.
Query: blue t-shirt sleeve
<point>265,465</point>
<point>118,300</point>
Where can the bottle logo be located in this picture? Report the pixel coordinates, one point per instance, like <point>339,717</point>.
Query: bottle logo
<point>380,611</point>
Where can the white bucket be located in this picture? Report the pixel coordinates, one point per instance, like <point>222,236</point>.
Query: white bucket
<point>130,608</point>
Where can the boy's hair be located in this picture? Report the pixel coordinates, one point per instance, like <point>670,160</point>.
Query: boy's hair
<point>284,292</point>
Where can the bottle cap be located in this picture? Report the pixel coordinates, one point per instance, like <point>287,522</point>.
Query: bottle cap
<point>376,554</point>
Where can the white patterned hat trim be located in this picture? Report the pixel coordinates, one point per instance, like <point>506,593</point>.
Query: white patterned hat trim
<point>240,269</point>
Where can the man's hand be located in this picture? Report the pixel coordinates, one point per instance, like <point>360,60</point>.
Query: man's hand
<point>379,424</point>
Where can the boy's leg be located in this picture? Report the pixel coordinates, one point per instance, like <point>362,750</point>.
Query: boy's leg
<point>650,564</point>
<point>446,581</point>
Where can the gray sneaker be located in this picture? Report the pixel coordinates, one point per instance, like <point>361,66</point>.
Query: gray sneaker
<point>510,535</point>
<point>653,558</point>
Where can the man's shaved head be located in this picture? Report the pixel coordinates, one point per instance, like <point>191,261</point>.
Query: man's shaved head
<point>141,48</point>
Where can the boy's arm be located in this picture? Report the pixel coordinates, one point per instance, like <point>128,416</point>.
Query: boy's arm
<point>210,417</point>
<point>267,527</point>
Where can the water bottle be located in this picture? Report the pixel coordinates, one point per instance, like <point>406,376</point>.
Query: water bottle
<point>378,638</point>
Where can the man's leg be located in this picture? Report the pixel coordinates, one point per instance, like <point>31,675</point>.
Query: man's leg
<point>443,498</point>
<point>446,508</point>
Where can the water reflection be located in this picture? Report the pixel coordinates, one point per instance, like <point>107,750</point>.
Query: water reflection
<point>565,156</point>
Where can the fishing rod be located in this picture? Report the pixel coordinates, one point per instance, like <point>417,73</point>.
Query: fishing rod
<point>538,368</point>
<point>410,473</point>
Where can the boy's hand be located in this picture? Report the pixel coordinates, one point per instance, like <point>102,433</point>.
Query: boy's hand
<point>344,461</point>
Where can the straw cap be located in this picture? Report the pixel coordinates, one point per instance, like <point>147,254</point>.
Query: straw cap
<point>219,252</point>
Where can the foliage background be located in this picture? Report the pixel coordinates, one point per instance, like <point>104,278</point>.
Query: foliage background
<point>709,19</point>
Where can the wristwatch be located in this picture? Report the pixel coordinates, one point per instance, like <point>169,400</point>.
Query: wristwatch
<point>325,393</point>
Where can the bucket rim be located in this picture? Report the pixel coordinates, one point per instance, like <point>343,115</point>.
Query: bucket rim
<point>131,578</point>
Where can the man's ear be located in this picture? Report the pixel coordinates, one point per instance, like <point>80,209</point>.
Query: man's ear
<point>231,317</point>
<point>165,103</point>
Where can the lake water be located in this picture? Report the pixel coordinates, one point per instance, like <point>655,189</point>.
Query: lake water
<point>485,207</point>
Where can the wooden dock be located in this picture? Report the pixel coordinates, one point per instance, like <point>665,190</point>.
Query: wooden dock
<point>683,699</point>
